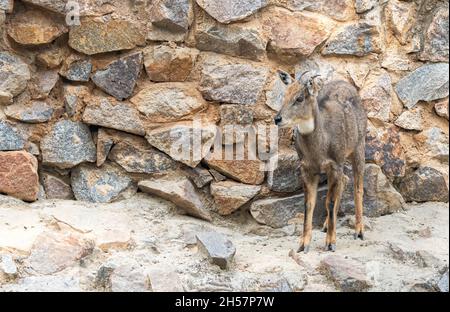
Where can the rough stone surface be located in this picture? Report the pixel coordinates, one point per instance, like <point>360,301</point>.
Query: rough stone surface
<point>443,283</point>
<point>110,113</point>
<point>173,15</point>
<point>400,19</point>
<point>228,11</point>
<point>427,83</point>
<point>73,98</point>
<point>245,171</point>
<point>200,176</point>
<point>137,156</point>
<point>34,112</point>
<point>299,37</point>
<point>286,178</point>
<point>176,141</point>
<point>275,94</point>
<point>362,6</point>
<point>10,139</point>
<point>243,41</point>
<point>376,97</point>
<point>232,82</point>
<point>52,252</point>
<point>162,279</point>
<point>18,175</point>
<point>411,120</point>
<point>441,108</point>
<point>169,102</point>
<point>383,148</point>
<point>380,196</point>
<point>218,247</point>
<point>56,187</point>
<point>101,185</point>
<point>7,5</point>
<point>43,284</point>
<point>76,69</point>
<point>8,266</point>
<point>119,78</point>
<point>34,27</point>
<point>425,184</point>
<point>436,37</point>
<point>230,196</point>
<point>14,74</point>
<point>98,36</point>
<point>67,145</point>
<point>357,39</point>
<point>181,192</point>
<point>42,83</point>
<point>434,143</point>
<point>167,63</point>
<point>348,274</point>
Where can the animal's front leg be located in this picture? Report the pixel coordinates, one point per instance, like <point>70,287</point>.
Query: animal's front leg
<point>311,184</point>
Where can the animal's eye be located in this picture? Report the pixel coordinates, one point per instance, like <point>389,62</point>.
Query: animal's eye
<point>300,99</point>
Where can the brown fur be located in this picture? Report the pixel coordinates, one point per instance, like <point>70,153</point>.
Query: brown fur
<point>338,134</point>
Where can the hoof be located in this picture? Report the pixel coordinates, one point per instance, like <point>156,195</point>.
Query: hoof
<point>304,249</point>
<point>324,229</point>
<point>331,247</point>
<point>359,236</point>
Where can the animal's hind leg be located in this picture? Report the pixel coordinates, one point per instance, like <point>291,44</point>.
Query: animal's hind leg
<point>311,184</point>
<point>358,172</point>
<point>338,184</point>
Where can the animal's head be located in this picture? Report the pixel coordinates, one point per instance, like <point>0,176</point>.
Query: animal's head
<point>299,102</point>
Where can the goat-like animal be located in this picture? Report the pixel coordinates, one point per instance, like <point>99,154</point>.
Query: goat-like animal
<point>330,128</point>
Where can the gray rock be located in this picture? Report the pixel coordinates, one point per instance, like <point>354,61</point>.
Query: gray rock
<point>35,112</point>
<point>8,265</point>
<point>42,83</point>
<point>436,37</point>
<point>46,284</point>
<point>173,15</point>
<point>101,185</point>
<point>285,178</point>
<point>357,39</point>
<point>242,41</point>
<point>10,139</point>
<point>434,143</point>
<point>427,83</point>
<point>14,74</point>
<point>233,82</point>
<point>275,94</point>
<point>109,113</point>
<point>140,157</point>
<point>56,187</point>
<point>423,185</point>
<point>229,196</point>
<point>380,197</point>
<point>277,212</point>
<point>181,192</point>
<point>218,247</point>
<point>200,176</point>
<point>228,11</point>
<point>7,5</point>
<point>73,98</point>
<point>443,283</point>
<point>67,145</point>
<point>411,120</point>
<point>164,279</point>
<point>78,70</point>
<point>348,274</point>
<point>362,6</point>
<point>119,78</point>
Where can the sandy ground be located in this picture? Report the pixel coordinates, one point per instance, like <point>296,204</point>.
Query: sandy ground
<point>402,252</point>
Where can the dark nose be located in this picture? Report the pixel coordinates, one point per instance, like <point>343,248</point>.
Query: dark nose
<point>278,120</point>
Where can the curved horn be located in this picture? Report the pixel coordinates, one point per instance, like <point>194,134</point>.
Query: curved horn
<point>299,78</point>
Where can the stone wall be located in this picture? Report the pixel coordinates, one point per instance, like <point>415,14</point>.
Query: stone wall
<point>87,112</point>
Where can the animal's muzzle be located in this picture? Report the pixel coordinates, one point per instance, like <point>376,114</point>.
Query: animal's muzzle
<point>278,120</point>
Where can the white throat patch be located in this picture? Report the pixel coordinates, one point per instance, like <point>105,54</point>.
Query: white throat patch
<point>306,126</point>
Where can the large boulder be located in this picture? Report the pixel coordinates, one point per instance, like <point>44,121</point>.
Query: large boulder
<point>427,83</point>
<point>101,185</point>
<point>228,11</point>
<point>96,36</point>
<point>298,38</point>
<point>232,81</point>
<point>423,185</point>
<point>169,63</point>
<point>119,78</point>
<point>357,39</point>
<point>185,142</point>
<point>34,27</point>
<point>67,145</point>
<point>181,192</point>
<point>19,176</point>
<point>110,113</point>
<point>169,102</point>
<point>229,196</point>
<point>14,74</point>
<point>286,177</point>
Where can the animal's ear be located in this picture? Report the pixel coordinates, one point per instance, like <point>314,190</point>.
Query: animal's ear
<point>285,77</point>
<point>314,85</point>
